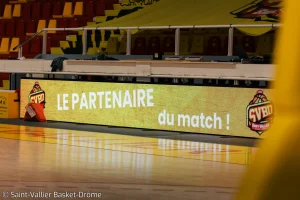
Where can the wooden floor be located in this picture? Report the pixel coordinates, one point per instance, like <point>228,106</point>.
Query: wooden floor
<point>122,167</point>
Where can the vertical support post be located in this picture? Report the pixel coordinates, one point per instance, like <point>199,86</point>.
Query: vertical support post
<point>20,52</point>
<point>230,41</point>
<point>84,42</point>
<point>44,42</point>
<point>128,45</point>
<point>177,42</point>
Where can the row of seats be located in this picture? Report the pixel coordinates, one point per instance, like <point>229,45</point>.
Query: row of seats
<point>22,18</point>
<point>109,4</point>
<point>11,28</point>
<point>29,50</point>
<point>140,46</point>
<point>195,45</point>
<point>47,10</point>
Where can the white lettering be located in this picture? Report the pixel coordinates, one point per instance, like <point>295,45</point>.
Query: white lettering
<point>208,118</point>
<point>58,103</point>
<point>195,121</point>
<point>202,117</point>
<point>117,99</point>
<point>75,100</point>
<point>83,102</point>
<point>141,98</point>
<point>92,100</point>
<point>105,99</point>
<point>150,97</point>
<point>127,100</point>
<point>217,120</point>
<point>100,94</point>
<point>108,99</point>
<point>162,118</point>
<point>65,102</point>
<point>185,120</point>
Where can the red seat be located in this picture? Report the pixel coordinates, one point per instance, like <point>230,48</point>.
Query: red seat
<point>139,47</point>
<point>36,11</point>
<point>153,45</point>
<point>168,44</point>
<point>57,9</point>
<point>62,23</point>
<point>89,10</point>
<point>100,8</point>
<point>20,26</point>
<point>214,46</point>
<point>26,12</point>
<point>31,26</point>
<point>2,27</point>
<point>10,28</point>
<point>54,41</point>
<point>35,46</point>
<point>248,44</point>
<point>109,4</point>
<point>46,11</point>
<point>2,7</point>
<point>73,23</point>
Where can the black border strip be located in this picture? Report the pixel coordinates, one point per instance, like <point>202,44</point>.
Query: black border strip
<point>141,83</point>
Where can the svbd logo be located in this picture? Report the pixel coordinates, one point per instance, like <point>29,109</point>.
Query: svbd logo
<point>3,101</point>
<point>37,95</point>
<point>260,113</point>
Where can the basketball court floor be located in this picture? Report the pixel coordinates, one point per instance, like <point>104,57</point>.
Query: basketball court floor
<point>118,166</point>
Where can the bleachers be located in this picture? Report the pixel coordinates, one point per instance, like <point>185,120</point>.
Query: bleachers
<point>20,19</point>
<point>25,17</point>
<point>195,43</point>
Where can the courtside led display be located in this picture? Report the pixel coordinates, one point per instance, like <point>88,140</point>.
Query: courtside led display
<point>214,110</point>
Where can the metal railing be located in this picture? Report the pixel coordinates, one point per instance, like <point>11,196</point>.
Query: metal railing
<point>128,45</point>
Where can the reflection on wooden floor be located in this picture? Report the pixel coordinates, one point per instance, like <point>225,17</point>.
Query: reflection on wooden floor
<point>118,166</point>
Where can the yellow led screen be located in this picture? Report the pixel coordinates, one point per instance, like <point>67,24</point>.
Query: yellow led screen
<point>214,110</point>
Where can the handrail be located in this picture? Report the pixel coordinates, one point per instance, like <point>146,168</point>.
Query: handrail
<point>168,27</point>
<point>230,26</point>
<point>33,36</point>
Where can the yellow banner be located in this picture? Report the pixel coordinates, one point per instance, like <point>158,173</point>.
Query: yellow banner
<point>9,104</point>
<point>213,110</point>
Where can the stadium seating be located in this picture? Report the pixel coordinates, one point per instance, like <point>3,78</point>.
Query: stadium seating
<point>21,28</point>
<point>26,15</point>
<point>139,47</point>
<point>153,45</point>
<point>214,46</point>
<point>23,18</point>
<point>46,11</point>
<point>168,45</point>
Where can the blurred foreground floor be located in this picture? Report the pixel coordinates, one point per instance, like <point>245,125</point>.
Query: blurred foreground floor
<point>118,166</point>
